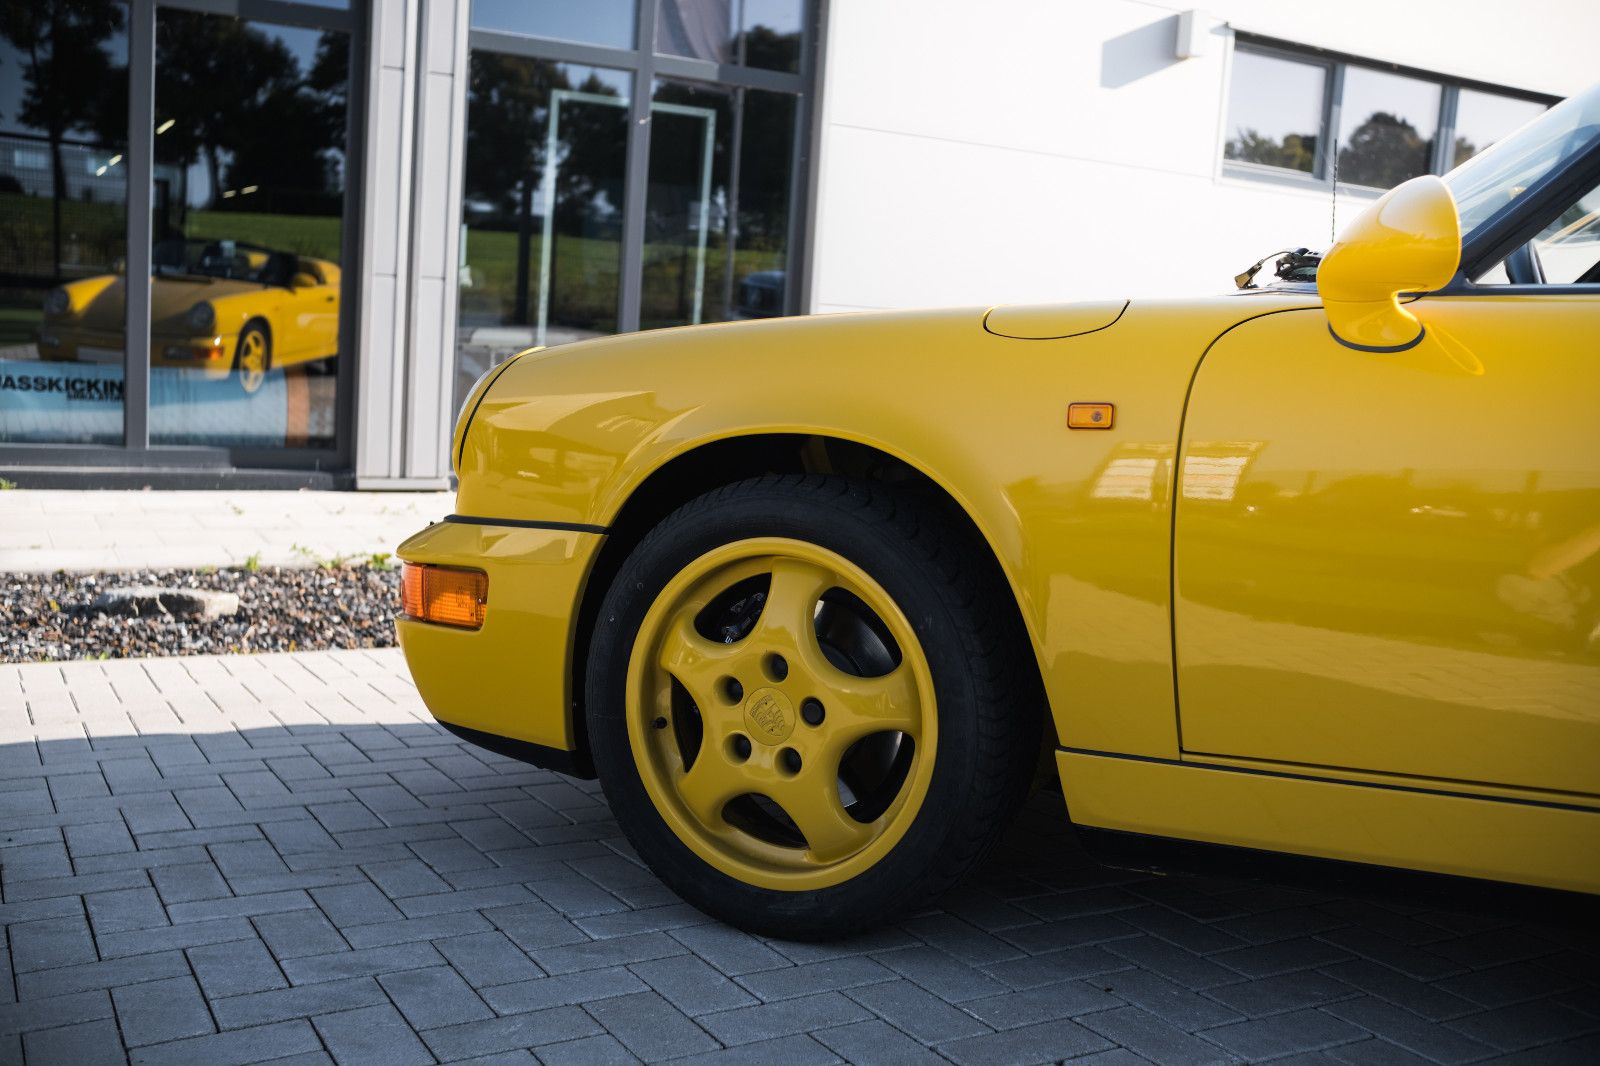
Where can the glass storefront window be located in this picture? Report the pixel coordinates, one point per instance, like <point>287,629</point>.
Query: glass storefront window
<point>1387,126</point>
<point>541,207</point>
<point>246,231</point>
<point>605,22</point>
<point>63,221</point>
<point>1275,111</point>
<point>1484,118</point>
<point>717,215</point>
<point>753,33</point>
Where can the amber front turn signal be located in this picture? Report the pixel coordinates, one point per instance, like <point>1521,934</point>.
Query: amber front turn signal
<point>444,595</point>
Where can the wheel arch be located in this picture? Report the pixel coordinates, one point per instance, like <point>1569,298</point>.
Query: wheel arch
<point>712,464</point>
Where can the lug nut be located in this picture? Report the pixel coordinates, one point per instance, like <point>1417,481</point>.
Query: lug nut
<point>732,691</point>
<point>660,722</point>
<point>777,667</point>
<point>811,710</point>
<point>739,747</point>
<point>791,760</point>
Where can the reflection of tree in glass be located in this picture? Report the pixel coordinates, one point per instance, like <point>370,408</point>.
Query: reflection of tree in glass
<point>1465,150</point>
<point>69,81</point>
<point>1384,151</point>
<point>508,113</point>
<point>240,103</point>
<point>768,49</point>
<point>1297,151</point>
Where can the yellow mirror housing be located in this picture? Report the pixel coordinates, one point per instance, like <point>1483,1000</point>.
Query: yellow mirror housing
<point>1409,241</point>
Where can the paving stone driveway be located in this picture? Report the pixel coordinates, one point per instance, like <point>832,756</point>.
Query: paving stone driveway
<point>228,860</point>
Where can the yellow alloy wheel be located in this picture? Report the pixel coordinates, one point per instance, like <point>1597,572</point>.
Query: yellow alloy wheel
<point>781,714</point>
<point>252,359</point>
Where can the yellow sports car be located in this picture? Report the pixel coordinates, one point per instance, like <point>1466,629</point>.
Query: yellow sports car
<point>1313,567</point>
<point>216,305</point>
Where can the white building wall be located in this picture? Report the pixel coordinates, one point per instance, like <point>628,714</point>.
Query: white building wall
<point>1043,150</point>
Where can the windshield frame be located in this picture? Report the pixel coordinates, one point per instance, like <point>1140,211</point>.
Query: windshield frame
<point>1520,219</point>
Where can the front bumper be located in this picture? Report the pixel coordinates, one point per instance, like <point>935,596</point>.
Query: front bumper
<point>511,679</point>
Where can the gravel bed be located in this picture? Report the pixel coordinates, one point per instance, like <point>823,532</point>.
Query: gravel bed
<point>48,617</point>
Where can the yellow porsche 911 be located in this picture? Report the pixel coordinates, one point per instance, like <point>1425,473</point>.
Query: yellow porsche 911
<point>1310,568</point>
<point>221,306</point>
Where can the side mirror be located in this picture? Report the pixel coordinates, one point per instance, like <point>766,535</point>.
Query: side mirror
<point>303,280</point>
<point>1409,241</point>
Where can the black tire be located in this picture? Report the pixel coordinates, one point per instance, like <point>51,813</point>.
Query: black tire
<point>986,688</point>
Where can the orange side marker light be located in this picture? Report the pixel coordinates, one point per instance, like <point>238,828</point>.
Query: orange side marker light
<point>1091,415</point>
<point>444,595</point>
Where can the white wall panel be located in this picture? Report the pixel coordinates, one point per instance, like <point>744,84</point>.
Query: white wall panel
<point>1043,150</point>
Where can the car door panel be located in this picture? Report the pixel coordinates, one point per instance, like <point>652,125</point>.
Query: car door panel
<point>1391,562</point>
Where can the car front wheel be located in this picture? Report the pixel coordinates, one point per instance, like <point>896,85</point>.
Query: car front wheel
<point>808,709</point>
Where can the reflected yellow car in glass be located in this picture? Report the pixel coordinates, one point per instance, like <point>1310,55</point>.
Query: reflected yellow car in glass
<point>1307,568</point>
<point>218,306</point>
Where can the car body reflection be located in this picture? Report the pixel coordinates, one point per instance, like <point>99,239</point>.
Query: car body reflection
<point>218,306</point>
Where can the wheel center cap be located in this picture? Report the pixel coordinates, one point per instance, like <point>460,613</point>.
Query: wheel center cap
<point>769,716</point>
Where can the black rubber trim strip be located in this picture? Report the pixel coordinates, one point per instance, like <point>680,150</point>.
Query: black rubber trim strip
<point>1253,772</point>
<point>571,763</point>
<point>523,523</point>
<point>1378,349</point>
<point>1057,337</point>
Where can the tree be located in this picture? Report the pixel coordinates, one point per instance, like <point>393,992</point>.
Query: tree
<point>1384,151</point>
<point>1297,151</point>
<point>67,74</point>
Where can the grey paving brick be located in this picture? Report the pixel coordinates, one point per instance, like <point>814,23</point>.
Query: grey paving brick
<point>433,997</point>
<point>188,882</point>
<point>488,958</point>
<point>51,1011</point>
<point>85,1044</point>
<point>917,1011</point>
<point>50,943</point>
<point>603,1050</point>
<point>187,935</point>
<point>238,1048</point>
<point>367,962</point>
<point>1175,963</point>
<point>129,908</point>
<point>1175,1004</point>
<point>235,969</point>
<point>82,884</point>
<point>784,1051</point>
<point>1272,995</point>
<point>1424,998</point>
<point>544,992</point>
<point>359,904</point>
<point>649,1026</point>
<point>875,1043</point>
<point>432,928</point>
<point>728,949</point>
<point>805,980</point>
<point>276,1005</point>
<point>407,877</point>
<point>112,973</point>
<point>616,952</point>
<point>371,1034</point>
<point>296,934</point>
<point>1523,1025</point>
<point>468,900</point>
<point>100,838</point>
<point>1014,1010</point>
<point>158,1011</point>
<point>1047,1041</point>
<point>1035,970</point>
<point>1284,1034</point>
<point>1144,1033</point>
<point>943,975</point>
<point>239,906</point>
<point>692,985</point>
<point>764,1021</point>
<point>556,1025</point>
